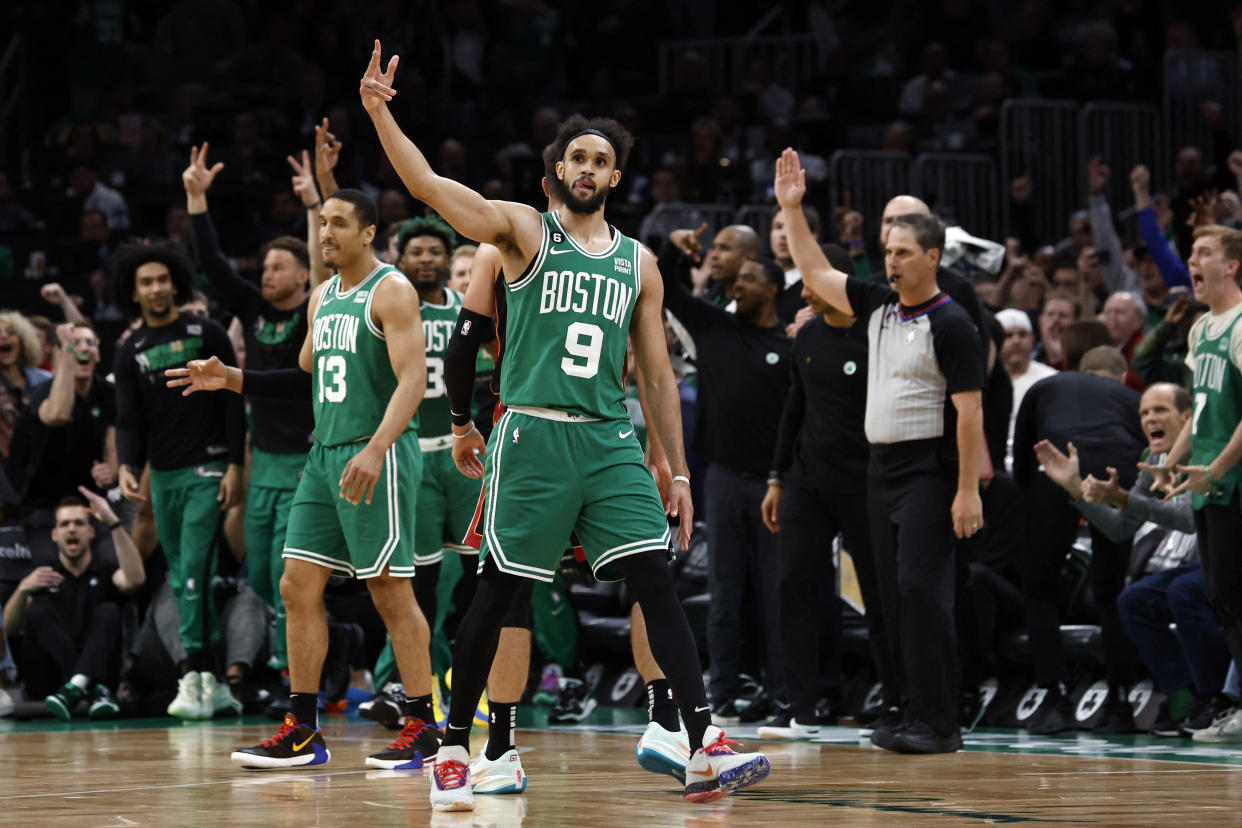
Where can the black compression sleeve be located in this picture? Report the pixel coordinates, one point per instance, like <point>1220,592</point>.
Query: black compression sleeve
<point>472,330</point>
<point>284,384</point>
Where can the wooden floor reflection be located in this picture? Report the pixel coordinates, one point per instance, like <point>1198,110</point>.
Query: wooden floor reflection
<point>182,776</point>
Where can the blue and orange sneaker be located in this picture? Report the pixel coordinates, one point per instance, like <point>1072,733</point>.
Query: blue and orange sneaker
<point>716,770</point>
<point>414,748</point>
<point>293,745</point>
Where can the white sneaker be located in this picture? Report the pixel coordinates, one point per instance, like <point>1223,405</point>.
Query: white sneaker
<point>189,701</point>
<point>664,751</point>
<point>793,730</point>
<point>499,776</point>
<point>218,698</point>
<point>716,770</point>
<point>1226,727</point>
<point>450,780</point>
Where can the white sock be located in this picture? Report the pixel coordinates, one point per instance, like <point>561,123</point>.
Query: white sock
<point>81,682</point>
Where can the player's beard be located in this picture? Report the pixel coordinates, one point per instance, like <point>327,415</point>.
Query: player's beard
<point>576,204</point>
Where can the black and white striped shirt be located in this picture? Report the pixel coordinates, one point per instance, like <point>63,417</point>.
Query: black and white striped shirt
<point>918,357</point>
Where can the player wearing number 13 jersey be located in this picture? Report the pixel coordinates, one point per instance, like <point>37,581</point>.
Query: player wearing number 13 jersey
<point>362,364</point>
<point>564,456</point>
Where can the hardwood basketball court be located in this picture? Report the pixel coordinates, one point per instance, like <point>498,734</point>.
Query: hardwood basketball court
<point>153,772</point>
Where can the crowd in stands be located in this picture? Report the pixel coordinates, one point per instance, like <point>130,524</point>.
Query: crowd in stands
<point>1090,341</point>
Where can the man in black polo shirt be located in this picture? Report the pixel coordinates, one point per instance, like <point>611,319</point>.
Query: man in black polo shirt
<point>814,492</point>
<point>924,379</point>
<point>743,364</point>
<point>273,320</point>
<point>65,610</point>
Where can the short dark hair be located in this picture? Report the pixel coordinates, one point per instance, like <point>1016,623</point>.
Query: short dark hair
<point>1080,337</point>
<point>426,226</point>
<point>130,257</point>
<point>294,247</point>
<point>774,272</point>
<point>550,156</point>
<point>812,217</point>
<point>70,501</point>
<point>364,206</point>
<point>928,231</point>
<point>616,134</point>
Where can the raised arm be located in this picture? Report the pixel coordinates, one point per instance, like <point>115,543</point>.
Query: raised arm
<point>57,409</point>
<point>1170,266</point>
<point>1104,233</point>
<point>304,185</point>
<point>514,228</point>
<point>824,279</point>
<point>197,178</point>
<point>327,153</point>
<point>664,411</point>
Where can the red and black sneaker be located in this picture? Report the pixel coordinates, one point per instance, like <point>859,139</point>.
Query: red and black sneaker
<point>414,748</point>
<point>293,745</point>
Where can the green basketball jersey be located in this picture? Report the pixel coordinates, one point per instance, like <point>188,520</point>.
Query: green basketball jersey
<point>568,319</point>
<point>438,323</point>
<point>352,378</point>
<point>1217,408</point>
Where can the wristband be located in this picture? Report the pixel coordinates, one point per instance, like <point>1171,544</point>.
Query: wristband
<point>315,206</point>
<point>1212,481</point>
<point>69,348</point>
<point>112,527</point>
<point>682,478</point>
<point>457,436</point>
<point>776,481</point>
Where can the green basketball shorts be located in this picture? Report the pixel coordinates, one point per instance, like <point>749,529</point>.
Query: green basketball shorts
<point>359,541</point>
<point>446,503</point>
<point>549,474</point>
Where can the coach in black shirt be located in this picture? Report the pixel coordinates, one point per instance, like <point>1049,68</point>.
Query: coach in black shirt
<point>924,420</point>
<point>743,364</point>
<point>815,491</point>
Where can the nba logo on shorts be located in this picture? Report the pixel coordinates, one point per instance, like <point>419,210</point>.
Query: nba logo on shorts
<point>465,328</point>
<point>517,432</point>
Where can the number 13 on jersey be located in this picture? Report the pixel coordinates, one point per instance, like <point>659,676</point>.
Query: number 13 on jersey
<point>331,378</point>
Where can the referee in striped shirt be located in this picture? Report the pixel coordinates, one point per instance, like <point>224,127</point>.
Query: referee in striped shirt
<point>924,421</point>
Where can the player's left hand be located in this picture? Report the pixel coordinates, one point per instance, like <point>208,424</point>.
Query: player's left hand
<point>230,493</point>
<point>681,506</point>
<point>360,475</point>
<point>199,375</point>
<point>466,453</point>
<point>967,512</point>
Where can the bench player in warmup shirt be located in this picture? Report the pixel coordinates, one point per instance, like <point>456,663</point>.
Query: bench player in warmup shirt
<point>196,452</point>
<point>362,365</point>
<point>498,768</point>
<point>564,456</point>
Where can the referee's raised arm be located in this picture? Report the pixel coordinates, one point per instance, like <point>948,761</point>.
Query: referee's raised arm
<point>817,272</point>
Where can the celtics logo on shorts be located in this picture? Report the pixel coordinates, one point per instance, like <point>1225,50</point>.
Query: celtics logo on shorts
<point>772,358</point>
<point>849,368</point>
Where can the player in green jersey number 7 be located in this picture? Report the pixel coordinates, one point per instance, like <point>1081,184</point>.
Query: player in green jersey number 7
<point>362,365</point>
<point>564,456</point>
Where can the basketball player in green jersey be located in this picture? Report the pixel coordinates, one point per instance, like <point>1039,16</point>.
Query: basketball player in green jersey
<point>362,364</point>
<point>446,499</point>
<point>1213,436</point>
<point>498,768</point>
<point>564,456</point>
